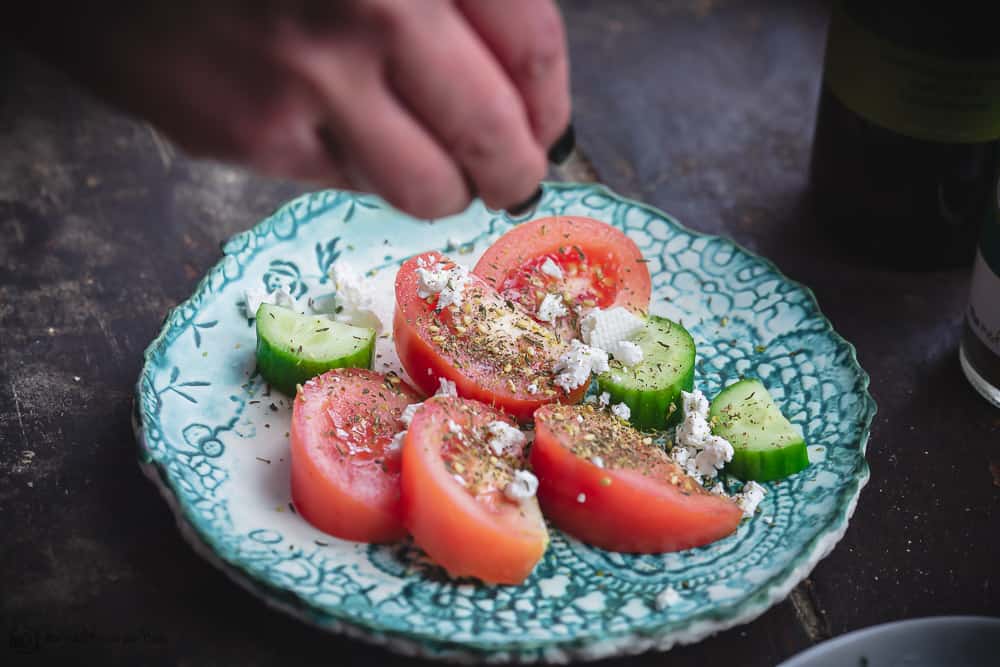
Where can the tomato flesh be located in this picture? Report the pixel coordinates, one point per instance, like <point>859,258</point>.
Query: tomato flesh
<point>453,500</point>
<point>489,346</point>
<point>599,267</point>
<point>608,485</point>
<point>344,473</point>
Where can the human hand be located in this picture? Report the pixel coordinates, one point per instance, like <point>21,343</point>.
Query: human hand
<point>424,102</point>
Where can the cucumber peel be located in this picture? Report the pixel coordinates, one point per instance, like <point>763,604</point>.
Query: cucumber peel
<point>293,348</point>
<point>766,445</point>
<point>652,388</point>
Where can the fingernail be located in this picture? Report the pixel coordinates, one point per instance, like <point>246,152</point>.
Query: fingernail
<point>527,206</point>
<point>563,146</point>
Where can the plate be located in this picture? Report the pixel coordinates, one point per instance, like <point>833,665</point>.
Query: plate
<point>215,443</point>
<point>958,641</point>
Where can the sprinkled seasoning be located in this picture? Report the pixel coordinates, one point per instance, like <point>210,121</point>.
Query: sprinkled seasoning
<point>612,441</point>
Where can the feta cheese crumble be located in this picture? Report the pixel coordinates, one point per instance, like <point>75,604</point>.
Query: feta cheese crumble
<point>504,438</point>
<point>456,428</point>
<point>446,388</point>
<point>551,308</point>
<point>353,301</point>
<point>627,352</point>
<point>255,296</point>
<point>605,328</point>
<point>397,441</point>
<point>533,388</point>
<point>574,367</point>
<point>342,434</point>
<point>668,597</point>
<point>522,487</point>
<point>750,497</point>
<point>582,498</point>
<point>550,268</point>
<point>621,411</point>
<point>697,451</point>
<point>449,284</point>
<point>407,416</point>
<point>597,461</point>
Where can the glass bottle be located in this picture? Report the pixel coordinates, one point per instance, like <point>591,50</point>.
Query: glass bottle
<point>906,153</point>
<point>980,348</point>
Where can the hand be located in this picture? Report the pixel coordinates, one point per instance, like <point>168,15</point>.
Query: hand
<point>424,102</point>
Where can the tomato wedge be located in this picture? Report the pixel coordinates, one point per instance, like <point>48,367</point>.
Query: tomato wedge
<point>453,486</point>
<point>584,261</point>
<point>608,485</point>
<point>345,474</point>
<point>488,346</point>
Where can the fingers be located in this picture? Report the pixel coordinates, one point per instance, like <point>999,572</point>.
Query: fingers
<point>386,151</point>
<point>448,78</point>
<point>528,39</point>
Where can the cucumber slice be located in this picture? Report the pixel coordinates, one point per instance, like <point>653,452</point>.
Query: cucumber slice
<point>653,385</point>
<point>292,348</point>
<point>767,446</point>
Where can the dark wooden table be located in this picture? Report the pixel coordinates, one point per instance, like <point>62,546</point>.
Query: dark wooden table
<point>702,108</point>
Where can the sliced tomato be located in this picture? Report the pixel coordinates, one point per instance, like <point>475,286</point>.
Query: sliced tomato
<point>453,495</point>
<point>609,485</point>
<point>345,474</point>
<point>597,266</point>
<point>489,347</point>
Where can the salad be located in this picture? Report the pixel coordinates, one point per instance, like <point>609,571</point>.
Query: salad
<point>536,386</point>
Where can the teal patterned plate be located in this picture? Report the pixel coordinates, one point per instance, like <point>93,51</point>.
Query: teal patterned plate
<point>215,443</point>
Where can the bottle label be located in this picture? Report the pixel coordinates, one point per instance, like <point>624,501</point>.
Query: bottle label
<point>984,299</point>
<point>928,97</point>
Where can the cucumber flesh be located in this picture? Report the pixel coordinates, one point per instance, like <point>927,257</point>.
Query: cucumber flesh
<point>653,385</point>
<point>766,445</point>
<point>292,348</point>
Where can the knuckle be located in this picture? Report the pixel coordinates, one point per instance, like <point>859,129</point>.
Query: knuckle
<point>542,54</point>
<point>483,134</point>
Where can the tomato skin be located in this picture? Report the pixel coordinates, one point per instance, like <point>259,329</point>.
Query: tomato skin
<point>356,500</point>
<point>623,510</point>
<point>425,362</point>
<point>498,542</point>
<point>601,243</point>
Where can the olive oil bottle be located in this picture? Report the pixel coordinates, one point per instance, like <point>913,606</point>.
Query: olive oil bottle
<point>906,154</point>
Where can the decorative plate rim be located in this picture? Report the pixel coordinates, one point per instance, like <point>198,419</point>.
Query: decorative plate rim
<point>632,641</point>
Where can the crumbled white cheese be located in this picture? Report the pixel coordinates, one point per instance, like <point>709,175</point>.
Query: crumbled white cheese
<point>449,284</point>
<point>533,388</point>
<point>431,281</point>
<point>397,441</point>
<point>504,438</point>
<point>446,388</point>
<point>456,428</point>
<point>604,328</point>
<point>522,487</point>
<point>579,419</point>
<point>255,296</point>
<point>550,268</point>
<point>576,364</point>
<point>668,597</point>
<point>621,411</point>
<point>551,308</point>
<point>408,412</point>
<point>597,461</point>
<point>342,434</point>
<point>353,301</point>
<point>749,497</point>
<point>582,498</point>
<point>603,399</point>
<point>697,451</point>
<point>718,489</point>
<point>627,352</point>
